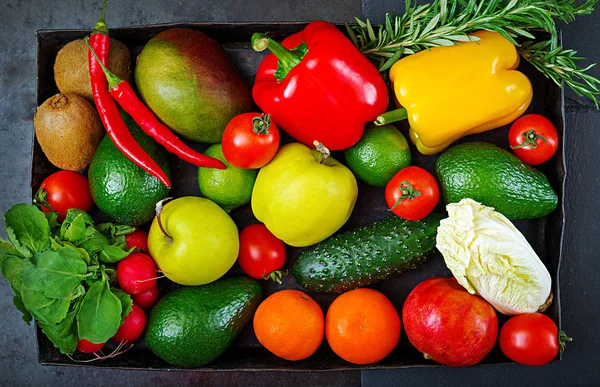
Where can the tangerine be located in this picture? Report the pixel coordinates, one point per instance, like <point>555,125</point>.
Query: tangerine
<point>362,326</point>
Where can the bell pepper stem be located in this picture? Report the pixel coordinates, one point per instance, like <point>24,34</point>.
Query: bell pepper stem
<point>113,79</point>
<point>391,116</point>
<point>101,27</point>
<point>287,59</point>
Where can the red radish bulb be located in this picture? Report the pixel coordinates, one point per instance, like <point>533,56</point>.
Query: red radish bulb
<point>86,346</point>
<point>138,239</point>
<point>448,324</point>
<point>133,325</point>
<point>147,299</point>
<point>136,273</point>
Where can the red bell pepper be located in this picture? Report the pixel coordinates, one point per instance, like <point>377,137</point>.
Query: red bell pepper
<point>316,85</point>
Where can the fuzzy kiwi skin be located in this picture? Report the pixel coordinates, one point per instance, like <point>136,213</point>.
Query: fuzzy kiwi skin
<point>71,71</point>
<point>69,130</point>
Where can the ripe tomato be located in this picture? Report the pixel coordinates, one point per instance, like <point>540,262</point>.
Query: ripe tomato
<point>138,239</point>
<point>261,253</point>
<point>533,138</point>
<point>412,193</point>
<point>63,190</point>
<point>250,140</point>
<point>531,339</point>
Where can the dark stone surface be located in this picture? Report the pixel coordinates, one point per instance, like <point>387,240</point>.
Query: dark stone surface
<point>579,285</point>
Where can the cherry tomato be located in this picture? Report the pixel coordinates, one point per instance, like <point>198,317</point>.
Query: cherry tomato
<point>88,347</point>
<point>147,299</point>
<point>63,190</point>
<point>250,140</point>
<point>138,239</point>
<point>533,138</point>
<point>531,339</point>
<point>261,253</point>
<point>412,193</point>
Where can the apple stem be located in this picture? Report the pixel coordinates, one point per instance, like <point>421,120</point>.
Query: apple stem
<point>323,150</point>
<point>158,209</point>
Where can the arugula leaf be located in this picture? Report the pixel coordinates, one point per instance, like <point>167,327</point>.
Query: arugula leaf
<point>18,301</point>
<point>74,230</point>
<point>56,274</point>
<point>27,227</point>
<point>126,302</point>
<point>99,317</point>
<point>46,310</point>
<point>112,254</point>
<point>64,334</point>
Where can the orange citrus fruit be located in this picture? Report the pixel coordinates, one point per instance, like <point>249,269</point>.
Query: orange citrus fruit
<point>362,326</point>
<point>290,324</point>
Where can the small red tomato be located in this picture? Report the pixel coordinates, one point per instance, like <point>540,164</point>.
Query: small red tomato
<point>136,273</point>
<point>412,193</point>
<point>147,299</point>
<point>138,239</point>
<point>133,325</point>
<point>88,347</point>
<point>533,138</point>
<point>63,190</point>
<point>250,140</point>
<point>531,339</point>
<point>261,253</point>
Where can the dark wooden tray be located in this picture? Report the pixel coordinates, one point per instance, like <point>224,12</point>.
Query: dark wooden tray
<point>545,235</point>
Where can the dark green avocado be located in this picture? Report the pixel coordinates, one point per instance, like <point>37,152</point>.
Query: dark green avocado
<point>366,255</point>
<point>120,188</point>
<point>495,178</point>
<point>192,326</point>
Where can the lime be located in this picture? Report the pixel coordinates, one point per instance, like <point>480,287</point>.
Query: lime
<point>230,188</point>
<point>380,153</point>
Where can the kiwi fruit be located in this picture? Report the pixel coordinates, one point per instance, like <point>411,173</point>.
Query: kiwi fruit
<point>69,130</point>
<point>71,71</point>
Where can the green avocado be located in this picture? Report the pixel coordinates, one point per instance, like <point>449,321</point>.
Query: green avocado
<point>186,78</point>
<point>120,188</point>
<point>495,178</point>
<point>192,326</point>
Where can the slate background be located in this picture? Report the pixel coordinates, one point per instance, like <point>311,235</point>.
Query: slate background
<point>579,279</point>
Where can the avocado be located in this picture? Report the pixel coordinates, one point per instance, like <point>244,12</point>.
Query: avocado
<point>186,78</point>
<point>495,178</point>
<point>120,188</point>
<point>366,255</point>
<point>192,326</point>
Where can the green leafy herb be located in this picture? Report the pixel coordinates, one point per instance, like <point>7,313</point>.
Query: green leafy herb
<point>448,22</point>
<point>126,302</point>
<point>52,218</point>
<point>64,334</point>
<point>28,227</point>
<point>56,274</point>
<point>25,315</point>
<point>112,230</point>
<point>112,254</point>
<point>11,268</point>
<point>100,315</point>
<point>74,230</point>
<point>46,310</point>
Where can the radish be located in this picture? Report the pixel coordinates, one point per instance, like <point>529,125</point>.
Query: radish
<point>136,273</point>
<point>147,299</point>
<point>86,346</point>
<point>133,325</point>
<point>138,239</point>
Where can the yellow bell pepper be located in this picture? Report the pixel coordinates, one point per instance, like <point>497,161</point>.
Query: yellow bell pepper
<point>451,92</point>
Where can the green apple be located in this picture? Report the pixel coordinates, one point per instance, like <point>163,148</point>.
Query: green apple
<point>303,198</point>
<point>197,243</point>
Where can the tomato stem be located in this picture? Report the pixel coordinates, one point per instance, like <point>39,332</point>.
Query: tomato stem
<point>408,192</point>
<point>276,275</point>
<point>41,199</point>
<point>562,340</point>
<point>261,124</point>
<point>531,137</point>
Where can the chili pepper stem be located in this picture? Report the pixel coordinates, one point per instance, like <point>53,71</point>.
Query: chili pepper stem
<point>391,116</point>
<point>261,124</point>
<point>101,27</point>
<point>322,150</point>
<point>287,59</point>
<point>113,79</point>
<point>158,209</point>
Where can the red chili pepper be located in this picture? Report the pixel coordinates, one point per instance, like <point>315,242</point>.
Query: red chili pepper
<point>107,108</point>
<point>317,86</point>
<point>123,93</point>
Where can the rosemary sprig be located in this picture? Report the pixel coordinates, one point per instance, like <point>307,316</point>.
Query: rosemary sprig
<point>560,66</point>
<point>448,22</point>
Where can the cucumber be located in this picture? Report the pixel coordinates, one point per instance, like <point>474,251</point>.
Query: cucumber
<point>366,255</point>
